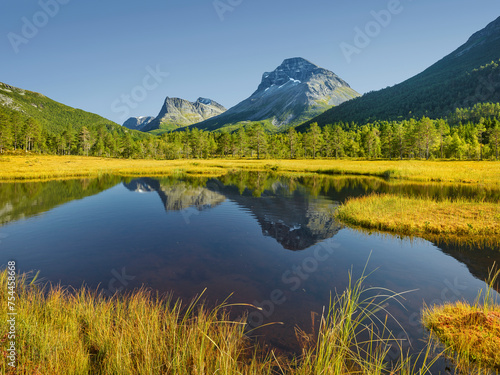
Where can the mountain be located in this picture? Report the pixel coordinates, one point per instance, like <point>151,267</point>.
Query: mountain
<point>469,75</point>
<point>138,123</point>
<point>294,92</point>
<point>177,113</point>
<point>53,116</point>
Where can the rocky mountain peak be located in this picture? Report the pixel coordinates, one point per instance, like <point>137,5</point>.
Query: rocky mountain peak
<point>295,71</point>
<point>294,92</point>
<point>205,101</point>
<point>177,112</point>
<point>138,123</point>
<point>297,64</point>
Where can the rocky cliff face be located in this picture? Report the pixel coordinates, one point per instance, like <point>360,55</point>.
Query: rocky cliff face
<point>137,123</point>
<point>177,112</point>
<point>293,93</point>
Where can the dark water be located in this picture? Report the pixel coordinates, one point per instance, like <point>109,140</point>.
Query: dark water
<point>266,240</point>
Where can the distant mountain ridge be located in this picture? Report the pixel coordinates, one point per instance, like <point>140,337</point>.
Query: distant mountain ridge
<point>177,112</point>
<point>294,92</point>
<point>467,76</point>
<point>138,123</point>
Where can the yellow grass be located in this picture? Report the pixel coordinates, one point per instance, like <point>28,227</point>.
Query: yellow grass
<point>470,333</point>
<point>16,167</point>
<point>468,330</point>
<point>423,217</point>
<point>58,332</point>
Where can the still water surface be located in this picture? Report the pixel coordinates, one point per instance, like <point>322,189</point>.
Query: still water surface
<point>262,239</point>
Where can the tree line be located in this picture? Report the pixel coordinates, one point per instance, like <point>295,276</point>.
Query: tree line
<point>467,134</point>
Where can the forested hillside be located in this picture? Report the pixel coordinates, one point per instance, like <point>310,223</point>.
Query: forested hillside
<point>32,122</point>
<point>468,76</point>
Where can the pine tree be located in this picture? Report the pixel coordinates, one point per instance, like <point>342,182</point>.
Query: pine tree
<point>292,142</point>
<point>495,136</point>
<point>6,137</point>
<point>315,138</point>
<point>480,130</point>
<point>85,140</point>
<point>258,139</point>
<point>443,130</point>
<point>338,140</point>
<point>31,133</point>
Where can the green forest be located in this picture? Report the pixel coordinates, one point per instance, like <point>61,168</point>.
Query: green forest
<point>467,134</point>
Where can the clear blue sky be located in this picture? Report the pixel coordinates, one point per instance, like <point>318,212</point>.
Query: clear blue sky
<point>88,54</point>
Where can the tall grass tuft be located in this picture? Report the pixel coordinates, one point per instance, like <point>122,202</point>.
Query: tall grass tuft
<point>469,333</point>
<point>353,339</point>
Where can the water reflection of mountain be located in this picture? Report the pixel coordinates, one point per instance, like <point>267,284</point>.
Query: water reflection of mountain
<point>298,211</point>
<point>179,195</point>
<point>288,214</point>
<point>291,217</point>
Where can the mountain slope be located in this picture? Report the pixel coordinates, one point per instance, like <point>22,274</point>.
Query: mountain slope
<point>465,77</point>
<point>53,116</point>
<point>177,113</point>
<point>137,123</point>
<point>293,93</point>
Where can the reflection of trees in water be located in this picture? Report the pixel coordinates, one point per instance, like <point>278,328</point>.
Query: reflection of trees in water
<point>21,200</point>
<point>342,187</point>
<point>479,258</point>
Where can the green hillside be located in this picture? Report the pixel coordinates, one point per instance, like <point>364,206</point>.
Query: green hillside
<point>54,117</point>
<point>465,77</point>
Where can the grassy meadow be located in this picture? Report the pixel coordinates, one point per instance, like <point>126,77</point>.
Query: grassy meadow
<point>459,219</point>
<point>36,167</point>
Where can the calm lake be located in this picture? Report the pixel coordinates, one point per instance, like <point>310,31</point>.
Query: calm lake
<point>256,238</point>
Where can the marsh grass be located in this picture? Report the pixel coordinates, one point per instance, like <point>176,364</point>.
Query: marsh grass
<point>17,167</point>
<point>61,331</point>
<point>458,219</point>
<point>81,332</point>
<point>470,333</point>
<point>352,337</point>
